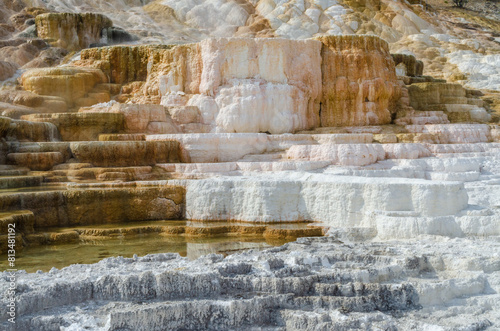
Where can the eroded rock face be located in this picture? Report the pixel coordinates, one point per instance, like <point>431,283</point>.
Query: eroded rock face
<point>21,130</point>
<point>72,31</point>
<point>124,64</point>
<point>36,161</point>
<point>275,89</point>
<point>359,81</point>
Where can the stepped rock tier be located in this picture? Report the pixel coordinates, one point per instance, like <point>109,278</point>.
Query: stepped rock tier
<point>210,126</point>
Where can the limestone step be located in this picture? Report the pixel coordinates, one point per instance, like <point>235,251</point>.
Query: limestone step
<point>11,170</point>
<point>122,137</point>
<point>344,138</point>
<point>261,157</point>
<point>72,166</point>
<point>282,166</point>
<point>20,181</point>
<point>422,120</point>
<point>36,161</point>
<point>42,147</point>
<point>23,220</point>
<point>109,174</point>
<point>56,179</point>
<point>455,133</point>
<point>126,153</point>
<point>423,117</point>
<point>428,113</point>
<point>356,154</point>
<point>14,172</point>
<point>81,126</point>
<point>58,205</point>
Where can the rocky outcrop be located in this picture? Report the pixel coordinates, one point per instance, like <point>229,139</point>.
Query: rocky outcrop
<point>19,54</point>
<point>261,85</point>
<point>213,69</point>
<point>124,64</point>
<point>72,31</point>
<point>359,81</point>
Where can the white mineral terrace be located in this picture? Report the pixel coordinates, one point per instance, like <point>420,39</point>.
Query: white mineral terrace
<point>362,134</point>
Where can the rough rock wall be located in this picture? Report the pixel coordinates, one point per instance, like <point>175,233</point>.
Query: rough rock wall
<point>359,81</point>
<point>72,31</point>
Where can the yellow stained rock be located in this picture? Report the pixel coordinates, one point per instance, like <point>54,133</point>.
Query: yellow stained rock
<point>69,83</point>
<point>70,30</point>
<point>126,153</point>
<point>98,206</point>
<point>359,81</point>
<point>81,126</point>
<point>36,161</point>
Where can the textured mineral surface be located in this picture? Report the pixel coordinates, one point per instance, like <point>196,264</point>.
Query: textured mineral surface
<point>362,135</point>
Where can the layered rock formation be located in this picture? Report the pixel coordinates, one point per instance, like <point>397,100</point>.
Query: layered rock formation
<point>108,205</point>
<point>232,81</point>
<point>323,127</point>
<point>70,84</point>
<point>72,31</point>
<point>459,104</point>
<point>359,81</point>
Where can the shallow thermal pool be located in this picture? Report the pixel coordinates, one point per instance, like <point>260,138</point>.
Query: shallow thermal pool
<point>97,242</point>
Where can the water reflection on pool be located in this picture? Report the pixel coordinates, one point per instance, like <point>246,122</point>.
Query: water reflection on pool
<point>91,249</point>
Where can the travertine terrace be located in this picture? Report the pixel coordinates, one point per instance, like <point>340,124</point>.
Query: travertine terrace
<point>374,120</point>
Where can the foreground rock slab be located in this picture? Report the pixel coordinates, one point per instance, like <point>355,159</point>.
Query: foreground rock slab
<point>312,282</point>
